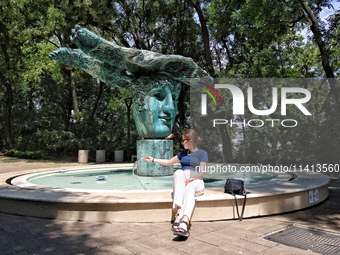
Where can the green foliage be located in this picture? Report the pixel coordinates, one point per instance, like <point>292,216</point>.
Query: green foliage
<point>259,39</point>
<point>24,154</point>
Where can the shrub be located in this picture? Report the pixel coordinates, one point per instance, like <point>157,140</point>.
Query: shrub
<point>29,154</point>
<point>9,153</point>
<point>25,155</point>
<point>19,154</point>
<point>38,155</point>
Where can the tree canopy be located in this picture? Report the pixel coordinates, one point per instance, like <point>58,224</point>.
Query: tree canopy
<point>47,106</point>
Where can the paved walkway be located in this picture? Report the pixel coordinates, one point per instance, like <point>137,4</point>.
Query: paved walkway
<point>27,235</point>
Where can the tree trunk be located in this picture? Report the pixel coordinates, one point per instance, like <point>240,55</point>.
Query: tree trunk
<point>227,148</point>
<point>128,103</point>
<point>139,42</point>
<point>74,97</point>
<point>101,86</point>
<point>230,58</point>
<point>323,51</point>
<point>90,121</point>
<point>181,106</point>
<point>205,35</point>
<point>7,136</point>
<point>218,58</point>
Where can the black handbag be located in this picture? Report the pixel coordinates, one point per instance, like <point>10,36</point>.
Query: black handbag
<point>236,187</point>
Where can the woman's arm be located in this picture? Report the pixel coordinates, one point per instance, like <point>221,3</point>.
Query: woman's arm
<point>201,172</point>
<point>166,162</point>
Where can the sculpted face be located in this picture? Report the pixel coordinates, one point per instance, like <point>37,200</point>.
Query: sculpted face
<point>156,118</point>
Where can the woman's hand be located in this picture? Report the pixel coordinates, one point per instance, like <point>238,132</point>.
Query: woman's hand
<point>188,180</point>
<point>148,159</point>
<point>121,66</point>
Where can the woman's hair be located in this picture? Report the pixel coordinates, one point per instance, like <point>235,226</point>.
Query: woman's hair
<point>192,135</point>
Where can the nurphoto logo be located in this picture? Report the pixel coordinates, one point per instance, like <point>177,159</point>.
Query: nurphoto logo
<point>238,104</point>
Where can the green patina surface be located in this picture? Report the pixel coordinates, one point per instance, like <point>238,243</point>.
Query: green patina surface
<point>160,149</point>
<point>154,79</point>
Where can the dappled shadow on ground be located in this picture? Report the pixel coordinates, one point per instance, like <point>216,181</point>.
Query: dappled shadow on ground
<point>324,216</point>
<point>40,236</point>
<point>28,235</point>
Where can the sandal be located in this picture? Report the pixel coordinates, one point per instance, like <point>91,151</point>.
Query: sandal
<point>183,232</point>
<point>176,224</point>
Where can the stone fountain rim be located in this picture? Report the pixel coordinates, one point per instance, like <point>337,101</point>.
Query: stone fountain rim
<point>48,194</point>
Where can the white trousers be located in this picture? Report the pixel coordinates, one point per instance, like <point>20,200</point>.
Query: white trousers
<point>184,196</point>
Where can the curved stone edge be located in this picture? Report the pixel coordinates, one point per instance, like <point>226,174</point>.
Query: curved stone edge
<point>155,206</point>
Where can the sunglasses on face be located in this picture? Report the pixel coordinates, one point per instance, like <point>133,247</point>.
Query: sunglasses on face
<point>183,140</point>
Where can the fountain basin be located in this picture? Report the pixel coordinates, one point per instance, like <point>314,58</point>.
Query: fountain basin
<point>282,194</point>
<point>111,178</point>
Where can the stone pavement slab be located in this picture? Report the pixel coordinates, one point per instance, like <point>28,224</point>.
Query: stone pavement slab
<point>43,236</point>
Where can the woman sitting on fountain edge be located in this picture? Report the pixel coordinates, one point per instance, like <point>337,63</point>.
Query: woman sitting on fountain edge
<point>188,182</point>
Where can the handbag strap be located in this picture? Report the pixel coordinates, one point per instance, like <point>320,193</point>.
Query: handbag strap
<point>244,204</point>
